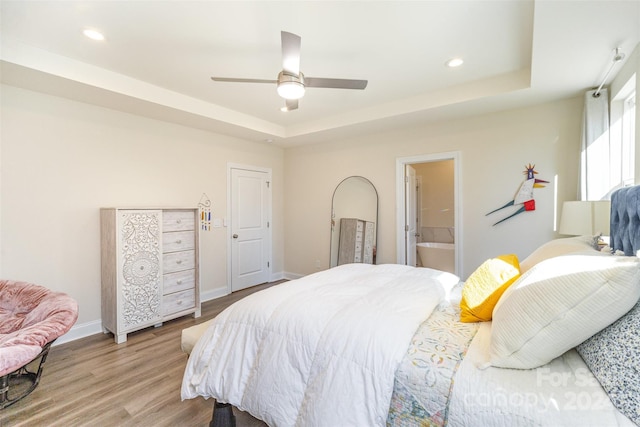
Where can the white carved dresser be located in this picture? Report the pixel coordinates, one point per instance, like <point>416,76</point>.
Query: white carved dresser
<point>149,267</point>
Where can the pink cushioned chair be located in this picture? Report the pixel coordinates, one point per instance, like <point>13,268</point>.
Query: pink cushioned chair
<point>31,319</point>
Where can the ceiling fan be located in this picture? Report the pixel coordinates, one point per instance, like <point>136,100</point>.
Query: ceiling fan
<point>291,83</point>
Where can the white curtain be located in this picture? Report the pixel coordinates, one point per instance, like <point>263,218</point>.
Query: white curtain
<point>594,153</point>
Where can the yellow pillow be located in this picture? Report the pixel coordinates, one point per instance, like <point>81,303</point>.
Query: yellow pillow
<point>485,286</point>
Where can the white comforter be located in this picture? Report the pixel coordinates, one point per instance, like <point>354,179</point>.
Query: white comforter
<point>317,351</point>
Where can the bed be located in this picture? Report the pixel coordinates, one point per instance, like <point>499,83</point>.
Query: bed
<point>375,345</point>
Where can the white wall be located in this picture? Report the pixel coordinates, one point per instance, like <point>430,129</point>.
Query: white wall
<point>62,160</point>
<point>495,148</point>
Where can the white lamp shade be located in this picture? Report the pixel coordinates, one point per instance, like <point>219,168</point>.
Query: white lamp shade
<point>585,218</point>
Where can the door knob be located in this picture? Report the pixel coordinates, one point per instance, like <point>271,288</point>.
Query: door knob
<point>235,236</point>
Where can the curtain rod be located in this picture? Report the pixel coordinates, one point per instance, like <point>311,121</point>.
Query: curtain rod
<point>619,56</point>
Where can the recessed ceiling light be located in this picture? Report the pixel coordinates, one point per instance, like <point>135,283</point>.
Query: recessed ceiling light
<point>455,62</point>
<point>93,34</point>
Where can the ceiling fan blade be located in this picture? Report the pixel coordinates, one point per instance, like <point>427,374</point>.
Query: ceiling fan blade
<point>232,79</point>
<point>291,104</point>
<point>290,52</point>
<point>335,83</point>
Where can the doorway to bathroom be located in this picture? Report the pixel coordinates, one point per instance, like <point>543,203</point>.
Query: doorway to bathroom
<point>428,211</point>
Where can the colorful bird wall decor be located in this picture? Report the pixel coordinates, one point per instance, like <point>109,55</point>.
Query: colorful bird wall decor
<point>524,196</point>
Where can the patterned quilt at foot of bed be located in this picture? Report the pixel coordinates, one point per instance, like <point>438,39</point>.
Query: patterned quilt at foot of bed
<point>425,377</point>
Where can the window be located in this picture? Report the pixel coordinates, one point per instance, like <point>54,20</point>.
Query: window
<point>608,157</point>
<point>628,131</point>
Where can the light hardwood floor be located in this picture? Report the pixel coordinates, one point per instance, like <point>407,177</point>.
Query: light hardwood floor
<point>95,382</point>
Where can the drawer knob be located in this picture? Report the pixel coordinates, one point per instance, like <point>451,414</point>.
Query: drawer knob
<point>179,302</point>
<point>179,261</point>
<point>179,221</point>
<point>179,282</point>
<point>179,242</point>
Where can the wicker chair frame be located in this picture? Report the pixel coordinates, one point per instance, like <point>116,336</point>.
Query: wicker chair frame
<point>22,379</point>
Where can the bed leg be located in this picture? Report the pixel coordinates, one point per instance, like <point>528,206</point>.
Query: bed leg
<point>223,415</point>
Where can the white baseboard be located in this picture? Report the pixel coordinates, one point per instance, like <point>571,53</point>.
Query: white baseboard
<point>80,331</point>
<point>292,276</point>
<point>276,276</point>
<point>216,293</point>
<point>221,292</point>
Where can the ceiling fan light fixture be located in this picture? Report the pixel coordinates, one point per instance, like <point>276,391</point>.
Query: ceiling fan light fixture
<point>290,86</point>
<point>291,90</point>
<point>291,83</point>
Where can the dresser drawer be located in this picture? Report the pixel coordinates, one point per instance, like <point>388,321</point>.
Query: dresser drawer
<point>178,241</point>
<point>178,301</point>
<point>178,221</point>
<point>178,261</point>
<point>178,281</point>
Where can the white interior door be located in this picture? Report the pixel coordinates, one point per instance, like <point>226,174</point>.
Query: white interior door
<point>250,237</point>
<point>411,217</point>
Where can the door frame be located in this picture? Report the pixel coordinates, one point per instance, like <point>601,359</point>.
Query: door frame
<point>410,214</point>
<point>456,156</point>
<point>229,227</point>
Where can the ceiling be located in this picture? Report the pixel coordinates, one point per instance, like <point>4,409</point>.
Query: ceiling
<point>158,57</point>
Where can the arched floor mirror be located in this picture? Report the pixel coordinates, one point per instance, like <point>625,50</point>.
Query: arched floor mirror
<point>354,222</point>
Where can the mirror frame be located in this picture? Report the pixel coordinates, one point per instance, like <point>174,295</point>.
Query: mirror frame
<point>335,242</point>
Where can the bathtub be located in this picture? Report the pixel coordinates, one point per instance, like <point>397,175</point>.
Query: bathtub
<point>440,256</point>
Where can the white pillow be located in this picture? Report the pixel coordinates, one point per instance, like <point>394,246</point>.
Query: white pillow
<point>558,304</point>
<point>555,248</point>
